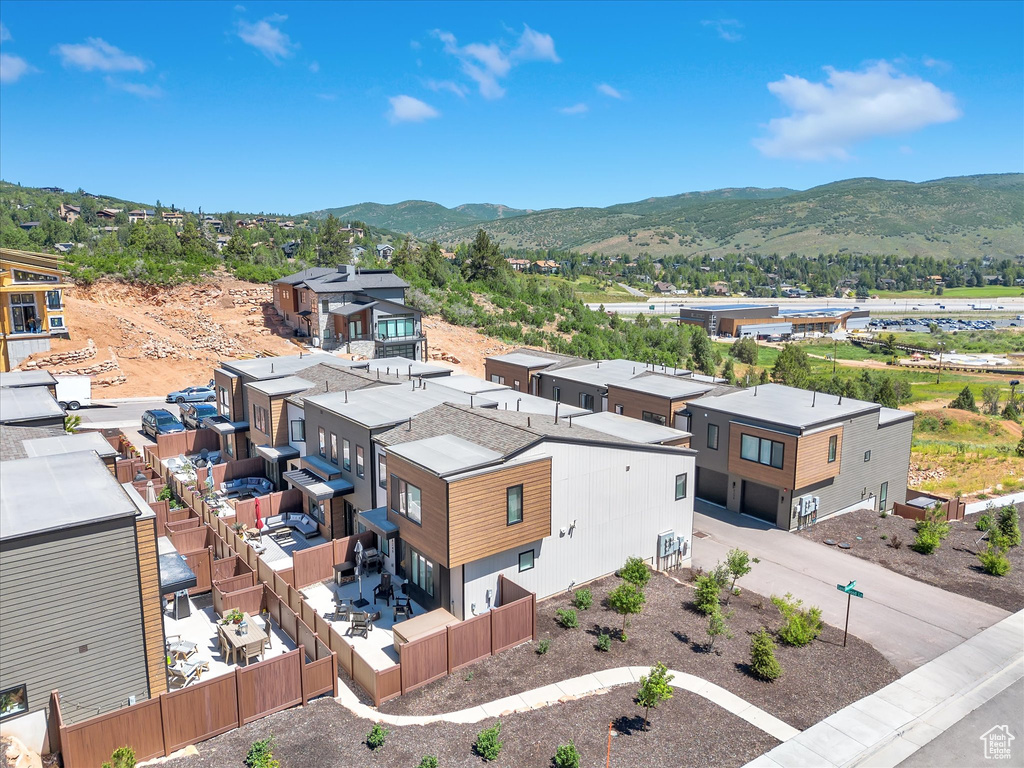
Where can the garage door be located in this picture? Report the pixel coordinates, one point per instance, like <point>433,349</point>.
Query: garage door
<point>760,501</point>
<point>712,486</point>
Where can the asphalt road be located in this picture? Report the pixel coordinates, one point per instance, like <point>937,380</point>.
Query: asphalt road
<point>962,745</point>
<point>125,414</point>
<point>670,305</point>
<point>908,621</point>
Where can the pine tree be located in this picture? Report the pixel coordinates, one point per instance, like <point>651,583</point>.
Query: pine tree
<point>965,401</point>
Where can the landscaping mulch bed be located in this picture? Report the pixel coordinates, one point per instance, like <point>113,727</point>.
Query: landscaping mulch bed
<point>817,679</point>
<point>686,730</point>
<point>954,567</point>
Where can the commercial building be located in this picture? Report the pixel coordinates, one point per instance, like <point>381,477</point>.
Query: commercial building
<point>31,304</point>
<point>764,321</point>
<point>790,456</point>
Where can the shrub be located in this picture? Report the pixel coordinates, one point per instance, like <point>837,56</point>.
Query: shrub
<point>965,401</point>
<point>567,756</point>
<point>717,626</point>
<point>583,599</point>
<point>542,646</point>
<point>377,736</point>
<point>604,642</point>
<point>654,689</point>
<point>738,565</point>
<point>993,558</point>
<point>802,625</point>
<point>428,761</point>
<point>983,523</point>
<point>567,618</point>
<point>895,542</point>
<point>1009,525</point>
<point>762,656</point>
<point>487,744</point>
<point>706,594</point>
<point>260,754</point>
<point>124,757</point>
<point>931,531</point>
<point>926,541</point>
<point>636,572</point>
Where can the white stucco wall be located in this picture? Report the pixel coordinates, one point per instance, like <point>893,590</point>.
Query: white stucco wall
<point>620,501</point>
<point>295,414</point>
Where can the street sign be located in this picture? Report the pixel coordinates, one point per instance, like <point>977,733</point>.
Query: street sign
<point>850,592</point>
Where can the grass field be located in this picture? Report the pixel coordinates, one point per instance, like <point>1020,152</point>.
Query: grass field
<point>591,290</point>
<point>980,292</point>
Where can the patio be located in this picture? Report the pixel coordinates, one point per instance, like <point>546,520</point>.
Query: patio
<point>277,553</point>
<point>201,628</point>
<point>377,648</point>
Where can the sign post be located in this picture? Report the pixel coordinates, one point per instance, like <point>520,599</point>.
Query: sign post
<point>850,593</point>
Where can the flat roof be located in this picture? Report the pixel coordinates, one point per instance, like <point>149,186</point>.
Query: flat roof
<point>726,307</point>
<point>26,404</point>
<point>672,387</point>
<point>626,428</point>
<point>510,400</point>
<point>444,454</point>
<point>286,385</point>
<point>600,373</point>
<point>892,415</point>
<point>401,366</point>
<point>469,384</point>
<point>787,406</point>
<point>13,379</point>
<point>383,406</point>
<point>52,493</point>
<point>525,359</point>
<point>82,441</point>
<point>277,367</point>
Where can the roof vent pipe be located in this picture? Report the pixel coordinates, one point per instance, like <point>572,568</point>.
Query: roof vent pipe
<point>598,363</point>
<point>327,385</point>
<point>755,390</point>
<point>528,421</point>
<point>840,399</point>
<point>271,367</point>
<point>814,398</point>
<point>518,401</point>
<point>471,401</point>
<point>556,412</point>
<point>410,424</point>
<point>346,396</point>
<point>378,374</point>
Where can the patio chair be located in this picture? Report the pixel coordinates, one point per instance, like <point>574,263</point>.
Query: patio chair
<point>186,672</point>
<point>384,591</point>
<point>373,618</point>
<point>222,641</point>
<point>342,609</point>
<point>179,649</point>
<point>263,622</point>
<point>252,650</point>
<point>360,624</point>
<point>402,607</point>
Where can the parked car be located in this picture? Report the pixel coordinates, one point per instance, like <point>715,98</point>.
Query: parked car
<point>193,414</point>
<point>73,392</point>
<point>160,422</point>
<point>192,395</point>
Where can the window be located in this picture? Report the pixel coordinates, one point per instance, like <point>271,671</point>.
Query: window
<point>385,546</point>
<point>396,327</point>
<point>56,321</point>
<point>514,505</point>
<point>586,401</point>
<point>360,462</point>
<point>833,445</point>
<point>680,487</point>
<point>334,449</point>
<point>496,379</point>
<point>619,409</point>
<point>713,437</point>
<point>515,386</point>
<point>654,418</point>
<point>883,497</point>
<point>382,470</point>
<point>400,350</point>
<point>229,446</point>
<point>325,306</point>
<point>53,300</point>
<point>298,430</point>
<point>867,455</point>
<point>346,455</point>
<point>556,394</point>
<point>225,402</point>
<point>13,701</point>
<point>761,450</point>
<point>316,510</point>
<point>327,331</point>
<point>526,560</point>
<point>405,499</point>
<point>322,439</point>
<point>260,417</point>
<point>422,572</point>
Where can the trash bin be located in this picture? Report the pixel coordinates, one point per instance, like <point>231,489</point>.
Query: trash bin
<point>182,610</point>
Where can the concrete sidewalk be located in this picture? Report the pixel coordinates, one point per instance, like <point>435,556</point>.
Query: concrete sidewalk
<point>883,729</point>
<point>908,621</point>
<point>577,688</point>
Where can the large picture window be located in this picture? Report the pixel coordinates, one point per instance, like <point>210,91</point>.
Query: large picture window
<point>653,418</point>
<point>514,504</point>
<point>762,450</point>
<point>422,572</point>
<point>713,437</point>
<point>586,401</point>
<point>405,499</point>
<point>396,328</point>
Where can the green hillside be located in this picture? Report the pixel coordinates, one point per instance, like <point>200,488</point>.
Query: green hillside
<point>418,216</point>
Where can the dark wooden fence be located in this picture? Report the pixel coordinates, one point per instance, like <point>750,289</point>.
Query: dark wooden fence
<point>954,508</point>
<point>188,443</point>
<point>272,504</point>
<point>469,641</point>
<point>424,660</point>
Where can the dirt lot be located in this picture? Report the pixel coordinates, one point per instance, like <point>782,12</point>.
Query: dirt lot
<point>817,679</point>
<point>955,567</point>
<point>686,730</point>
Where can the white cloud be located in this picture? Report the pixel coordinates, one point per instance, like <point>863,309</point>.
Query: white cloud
<point>240,9</point>
<point>406,109</point>
<point>314,67</point>
<point>266,37</point>
<point>5,33</point>
<point>446,85</point>
<point>937,64</point>
<point>487,63</point>
<point>136,89</point>
<point>575,109</point>
<point>608,90</point>
<point>727,29</point>
<point>96,53</point>
<point>12,68</point>
<point>828,118</point>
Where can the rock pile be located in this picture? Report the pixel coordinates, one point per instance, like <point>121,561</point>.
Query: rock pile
<point>64,358</point>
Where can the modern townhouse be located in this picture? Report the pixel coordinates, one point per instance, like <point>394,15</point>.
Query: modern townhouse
<point>474,493</point>
<point>659,398</point>
<point>362,311</point>
<point>518,369</point>
<point>586,384</point>
<point>790,457</point>
<point>31,304</point>
<point>634,430</point>
<point>30,407</point>
<point>504,397</point>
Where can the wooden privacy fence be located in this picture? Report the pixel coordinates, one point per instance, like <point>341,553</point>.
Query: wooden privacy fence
<point>954,508</point>
<point>159,726</point>
<point>270,505</point>
<point>190,442</point>
<point>317,563</point>
<point>231,470</point>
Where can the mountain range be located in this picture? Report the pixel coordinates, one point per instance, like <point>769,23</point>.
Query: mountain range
<point>958,217</point>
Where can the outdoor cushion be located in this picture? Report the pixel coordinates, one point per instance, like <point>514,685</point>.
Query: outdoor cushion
<point>306,526</point>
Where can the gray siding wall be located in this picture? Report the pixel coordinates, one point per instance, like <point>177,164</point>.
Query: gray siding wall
<point>362,497</point>
<point>71,619</point>
<point>716,460</point>
<point>569,391</point>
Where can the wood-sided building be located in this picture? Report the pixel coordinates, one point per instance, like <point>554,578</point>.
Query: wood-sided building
<point>31,304</point>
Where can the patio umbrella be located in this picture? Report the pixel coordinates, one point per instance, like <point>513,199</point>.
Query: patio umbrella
<point>150,493</point>
<point>359,566</point>
<point>209,478</point>
<point>259,523</point>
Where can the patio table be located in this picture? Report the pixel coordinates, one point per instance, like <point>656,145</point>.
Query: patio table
<point>237,642</point>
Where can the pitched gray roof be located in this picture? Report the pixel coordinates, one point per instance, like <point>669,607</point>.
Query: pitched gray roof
<point>13,439</point>
<point>327,377</point>
<point>328,280</point>
<point>278,366</point>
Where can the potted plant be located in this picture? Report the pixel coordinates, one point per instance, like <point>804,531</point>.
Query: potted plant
<point>234,616</point>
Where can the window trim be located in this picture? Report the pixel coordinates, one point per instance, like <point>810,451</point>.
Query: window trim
<point>867,455</point>
<point>333,457</point>
<point>302,430</point>
<point>717,434</point>
<point>587,401</point>
<point>772,444</point>
<point>833,448</point>
<point>23,688</point>
<point>556,394</point>
<point>382,470</point>
<point>533,560</point>
<point>346,454</point>
<point>360,462</point>
<point>508,504</point>
<point>398,499</point>
<point>686,483</point>
<point>653,418</point>
<point>321,435</point>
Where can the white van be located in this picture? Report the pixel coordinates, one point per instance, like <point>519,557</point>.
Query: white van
<point>74,391</point>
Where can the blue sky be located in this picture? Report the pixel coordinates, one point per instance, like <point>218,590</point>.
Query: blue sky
<point>288,107</point>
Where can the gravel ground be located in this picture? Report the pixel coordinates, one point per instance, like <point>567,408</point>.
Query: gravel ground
<point>955,567</point>
<point>686,730</point>
<point>817,680</point>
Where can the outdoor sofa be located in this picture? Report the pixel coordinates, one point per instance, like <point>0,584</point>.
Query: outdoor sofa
<point>257,486</point>
<point>298,521</point>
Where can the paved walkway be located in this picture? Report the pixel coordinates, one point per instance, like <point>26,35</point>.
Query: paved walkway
<point>908,621</point>
<point>576,688</point>
<point>885,728</point>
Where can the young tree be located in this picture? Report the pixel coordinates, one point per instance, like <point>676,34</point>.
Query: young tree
<point>626,600</point>
<point>654,689</point>
<point>706,593</point>
<point>636,572</point>
<point>739,564</point>
<point>965,401</point>
<point>745,350</point>
<point>484,261</point>
<point>702,351</point>
<point>990,395</point>
<point>792,367</point>
<point>886,395</point>
<point>332,248</point>
<point>762,656</point>
<point>717,626</point>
